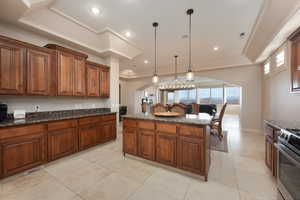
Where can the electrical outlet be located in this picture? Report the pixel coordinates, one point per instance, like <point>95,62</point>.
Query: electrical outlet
<point>36,108</point>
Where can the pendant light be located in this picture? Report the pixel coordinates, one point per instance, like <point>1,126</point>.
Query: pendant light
<point>190,73</point>
<point>155,78</point>
<point>176,56</point>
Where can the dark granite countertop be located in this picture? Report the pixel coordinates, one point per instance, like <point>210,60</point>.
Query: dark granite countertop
<point>200,119</point>
<point>42,117</point>
<point>283,124</point>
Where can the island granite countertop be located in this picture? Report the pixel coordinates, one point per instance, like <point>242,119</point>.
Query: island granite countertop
<point>200,119</point>
<point>43,117</point>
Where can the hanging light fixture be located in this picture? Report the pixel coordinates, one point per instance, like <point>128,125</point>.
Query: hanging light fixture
<point>176,56</point>
<point>190,73</point>
<point>155,78</point>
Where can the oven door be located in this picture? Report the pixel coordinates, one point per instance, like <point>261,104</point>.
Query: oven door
<point>288,173</point>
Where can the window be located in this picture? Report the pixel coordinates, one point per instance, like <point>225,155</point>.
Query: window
<point>170,97</point>
<point>216,96</point>
<point>233,95</point>
<point>267,68</point>
<point>280,58</point>
<point>204,95</point>
<point>186,96</point>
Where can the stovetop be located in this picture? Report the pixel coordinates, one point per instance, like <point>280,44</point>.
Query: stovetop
<point>291,139</point>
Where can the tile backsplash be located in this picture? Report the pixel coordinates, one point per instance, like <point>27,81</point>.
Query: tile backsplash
<point>38,103</point>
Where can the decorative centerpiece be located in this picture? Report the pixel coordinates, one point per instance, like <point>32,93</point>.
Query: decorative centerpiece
<point>167,114</point>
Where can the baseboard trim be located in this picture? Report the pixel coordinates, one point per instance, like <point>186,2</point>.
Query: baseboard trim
<point>257,131</point>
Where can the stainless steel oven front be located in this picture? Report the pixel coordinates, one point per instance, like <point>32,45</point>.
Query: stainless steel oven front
<point>288,173</point>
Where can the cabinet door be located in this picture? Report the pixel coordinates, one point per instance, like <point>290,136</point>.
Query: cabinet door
<point>88,136</point>
<point>104,82</point>
<point>93,83</point>
<point>274,161</point>
<point>65,74</point>
<point>12,68</point>
<point>130,142</point>
<point>79,77</point>
<point>295,62</point>
<point>38,72</point>
<point>61,143</point>
<point>107,131</point>
<point>166,147</point>
<point>191,154</point>
<point>147,144</point>
<point>23,153</point>
<point>269,152</point>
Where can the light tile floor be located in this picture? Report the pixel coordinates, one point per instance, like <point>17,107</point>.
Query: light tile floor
<point>102,173</point>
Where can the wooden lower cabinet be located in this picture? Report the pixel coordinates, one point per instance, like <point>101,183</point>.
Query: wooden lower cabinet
<point>269,152</point>
<point>22,153</point>
<point>88,136</point>
<point>108,131</point>
<point>191,154</point>
<point>146,144</point>
<point>178,145</point>
<point>62,143</point>
<point>130,141</point>
<point>26,147</point>
<point>166,149</point>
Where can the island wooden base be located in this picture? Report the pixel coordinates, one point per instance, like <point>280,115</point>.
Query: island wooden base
<point>178,145</point>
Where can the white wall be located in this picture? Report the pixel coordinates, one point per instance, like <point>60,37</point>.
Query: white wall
<point>278,102</point>
<point>59,103</point>
<point>248,77</point>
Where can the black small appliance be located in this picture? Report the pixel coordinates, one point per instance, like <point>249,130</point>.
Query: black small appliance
<point>3,112</point>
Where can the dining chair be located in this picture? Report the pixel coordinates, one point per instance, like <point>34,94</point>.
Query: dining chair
<point>179,108</point>
<point>217,122</point>
<point>159,108</point>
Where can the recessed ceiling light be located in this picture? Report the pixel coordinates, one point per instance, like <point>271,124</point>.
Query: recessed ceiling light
<point>146,61</point>
<point>128,34</point>
<point>95,10</point>
<point>216,48</point>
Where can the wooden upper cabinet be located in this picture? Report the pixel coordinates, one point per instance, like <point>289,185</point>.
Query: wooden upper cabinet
<point>295,61</point>
<point>40,72</point>
<point>79,77</point>
<point>12,68</point>
<point>71,77</point>
<point>93,79</point>
<point>65,74</point>
<point>104,82</point>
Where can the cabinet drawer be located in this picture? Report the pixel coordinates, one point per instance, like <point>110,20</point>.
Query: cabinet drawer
<point>129,123</point>
<point>89,120</point>
<point>108,118</point>
<point>144,124</point>
<point>166,128</point>
<point>20,131</point>
<point>191,131</point>
<point>62,125</point>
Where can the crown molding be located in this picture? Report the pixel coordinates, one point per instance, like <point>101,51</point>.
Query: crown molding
<point>195,71</point>
<point>106,29</point>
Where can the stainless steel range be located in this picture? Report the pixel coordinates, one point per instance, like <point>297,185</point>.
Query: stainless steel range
<point>289,164</point>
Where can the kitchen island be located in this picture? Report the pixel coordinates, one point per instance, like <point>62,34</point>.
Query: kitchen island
<point>180,142</point>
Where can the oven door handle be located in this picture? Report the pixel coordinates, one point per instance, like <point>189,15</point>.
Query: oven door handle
<point>287,153</point>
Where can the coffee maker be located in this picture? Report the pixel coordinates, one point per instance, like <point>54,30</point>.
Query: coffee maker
<point>3,112</point>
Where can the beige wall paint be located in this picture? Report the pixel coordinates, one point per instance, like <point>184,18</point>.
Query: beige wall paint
<point>59,103</point>
<point>278,102</point>
<point>248,77</point>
